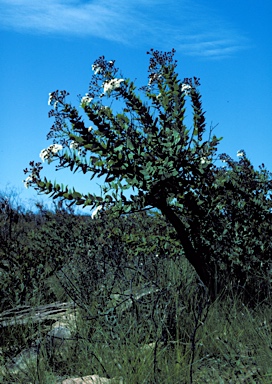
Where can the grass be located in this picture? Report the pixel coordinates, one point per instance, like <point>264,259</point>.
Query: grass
<point>222,342</point>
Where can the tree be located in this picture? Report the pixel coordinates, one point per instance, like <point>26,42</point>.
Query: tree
<point>147,148</point>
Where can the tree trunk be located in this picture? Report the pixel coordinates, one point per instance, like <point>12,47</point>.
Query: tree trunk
<point>194,257</point>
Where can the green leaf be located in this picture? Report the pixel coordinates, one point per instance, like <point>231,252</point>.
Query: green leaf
<point>127,208</point>
<point>76,195</point>
<point>110,178</point>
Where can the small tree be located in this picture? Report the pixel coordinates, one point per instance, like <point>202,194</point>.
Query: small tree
<point>147,148</point>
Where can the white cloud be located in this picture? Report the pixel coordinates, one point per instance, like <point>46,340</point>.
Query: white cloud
<point>166,23</point>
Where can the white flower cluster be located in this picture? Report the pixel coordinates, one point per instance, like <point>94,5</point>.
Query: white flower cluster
<point>48,153</point>
<point>96,211</point>
<point>96,68</point>
<point>85,100</point>
<point>50,99</point>
<point>27,182</point>
<point>186,88</point>
<point>204,160</point>
<point>154,77</point>
<point>111,85</point>
<point>74,145</point>
<point>241,153</point>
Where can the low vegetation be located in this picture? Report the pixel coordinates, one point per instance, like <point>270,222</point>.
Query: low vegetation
<point>141,312</point>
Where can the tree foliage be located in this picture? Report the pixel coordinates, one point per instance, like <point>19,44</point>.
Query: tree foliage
<point>221,213</point>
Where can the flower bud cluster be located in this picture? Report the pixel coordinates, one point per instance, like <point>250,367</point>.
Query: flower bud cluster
<point>35,174</point>
<point>57,97</point>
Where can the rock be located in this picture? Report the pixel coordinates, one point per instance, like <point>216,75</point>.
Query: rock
<point>59,341</point>
<point>22,361</point>
<point>58,336</point>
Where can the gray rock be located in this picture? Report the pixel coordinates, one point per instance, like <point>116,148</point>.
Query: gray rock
<point>59,342</point>
<point>23,360</point>
<point>57,337</point>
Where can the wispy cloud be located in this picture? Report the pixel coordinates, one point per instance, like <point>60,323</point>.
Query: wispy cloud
<point>158,23</point>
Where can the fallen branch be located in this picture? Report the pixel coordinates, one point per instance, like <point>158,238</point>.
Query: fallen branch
<point>24,313</point>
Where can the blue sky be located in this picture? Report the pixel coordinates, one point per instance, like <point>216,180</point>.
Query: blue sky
<point>51,45</point>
